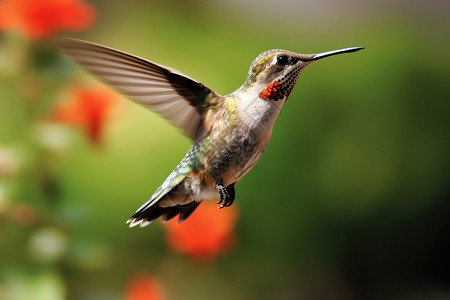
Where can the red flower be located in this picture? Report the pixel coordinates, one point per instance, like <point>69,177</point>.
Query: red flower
<point>87,109</point>
<point>205,234</point>
<point>43,18</point>
<point>143,287</point>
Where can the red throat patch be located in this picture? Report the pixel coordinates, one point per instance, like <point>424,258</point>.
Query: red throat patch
<point>269,91</point>
<point>282,87</point>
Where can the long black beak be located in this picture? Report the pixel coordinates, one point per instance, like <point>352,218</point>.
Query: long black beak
<point>334,52</point>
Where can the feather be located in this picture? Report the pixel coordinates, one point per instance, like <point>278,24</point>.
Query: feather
<point>167,92</point>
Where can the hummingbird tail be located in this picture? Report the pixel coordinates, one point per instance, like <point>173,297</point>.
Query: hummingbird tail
<point>168,207</point>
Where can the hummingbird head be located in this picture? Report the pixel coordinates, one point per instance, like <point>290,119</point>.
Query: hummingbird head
<point>273,73</point>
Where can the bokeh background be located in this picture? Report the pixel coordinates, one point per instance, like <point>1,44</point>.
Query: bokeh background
<point>349,201</point>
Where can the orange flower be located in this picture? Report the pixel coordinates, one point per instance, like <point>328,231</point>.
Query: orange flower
<point>205,234</point>
<point>43,18</point>
<point>143,287</point>
<point>87,109</point>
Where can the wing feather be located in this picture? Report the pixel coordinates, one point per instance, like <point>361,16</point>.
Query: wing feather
<point>167,92</point>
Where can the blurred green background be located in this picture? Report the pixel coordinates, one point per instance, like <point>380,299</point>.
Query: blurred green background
<point>349,201</point>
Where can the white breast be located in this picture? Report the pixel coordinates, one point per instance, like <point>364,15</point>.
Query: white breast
<point>258,114</point>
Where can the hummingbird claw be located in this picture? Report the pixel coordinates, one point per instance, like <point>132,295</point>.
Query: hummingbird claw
<point>223,193</point>
<point>226,194</point>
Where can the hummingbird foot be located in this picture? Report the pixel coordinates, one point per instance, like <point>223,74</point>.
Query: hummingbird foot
<point>226,194</point>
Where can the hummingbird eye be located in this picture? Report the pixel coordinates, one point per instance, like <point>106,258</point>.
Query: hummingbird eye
<point>282,60</point>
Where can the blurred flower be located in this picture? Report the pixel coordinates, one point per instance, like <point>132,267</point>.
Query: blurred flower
<point>48,244</point>
<point>53,137</point>
<point>43,18</point>
<point>205,234</point>
<point>10,160</point>
<point>143,287</point>
<point>26,282</point>
<point>87,109</point>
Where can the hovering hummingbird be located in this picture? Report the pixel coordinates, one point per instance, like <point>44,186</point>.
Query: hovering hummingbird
<point>229,132</point>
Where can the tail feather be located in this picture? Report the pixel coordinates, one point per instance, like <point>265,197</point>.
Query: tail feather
<point>146,216</point>
<point>167,207</point>
<point>170,213</point>
<point>187,211</point>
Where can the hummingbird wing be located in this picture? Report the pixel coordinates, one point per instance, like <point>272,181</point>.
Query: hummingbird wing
<point>167,92</point>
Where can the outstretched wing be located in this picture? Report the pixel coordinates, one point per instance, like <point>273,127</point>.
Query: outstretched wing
<point>176,97</point>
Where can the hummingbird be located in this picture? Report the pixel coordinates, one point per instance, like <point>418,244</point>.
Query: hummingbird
<point>229,133</point>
